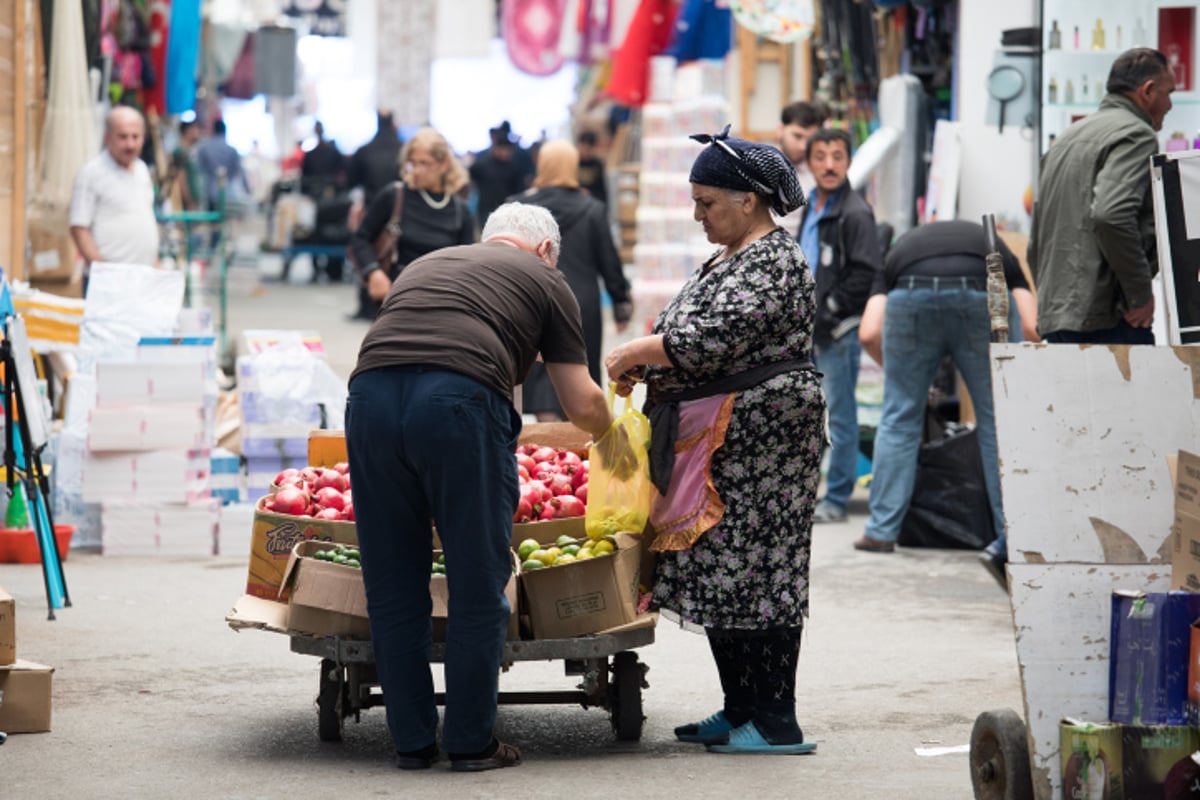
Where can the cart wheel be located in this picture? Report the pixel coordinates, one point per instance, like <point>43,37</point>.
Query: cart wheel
<point>1000,757</point>
<point>625,701</point>
<point>331,701</point>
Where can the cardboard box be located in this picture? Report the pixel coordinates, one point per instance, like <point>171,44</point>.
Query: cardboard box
<point>1091,759</point>
<point>272,539</point>
<point>1185,531</point>
<point>25,697</point>
<point>326,599</point>
<point>8,629</point>
<point>1156,761</point>
<point>1148,660</point>
<point>584,596</point>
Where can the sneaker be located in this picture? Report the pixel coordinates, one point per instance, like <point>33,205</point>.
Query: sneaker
<point>828,512</point>
<point>710,729</point>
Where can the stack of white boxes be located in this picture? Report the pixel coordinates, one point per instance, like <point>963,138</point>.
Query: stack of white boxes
<point>670,244</point>
<point>274,429</point>
<point>149,440</point>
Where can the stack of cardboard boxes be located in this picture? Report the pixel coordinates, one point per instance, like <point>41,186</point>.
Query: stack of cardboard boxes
<point>150,436</point>
<point>24,685</point>
<point>1149,745</point>
<point>326,599</point>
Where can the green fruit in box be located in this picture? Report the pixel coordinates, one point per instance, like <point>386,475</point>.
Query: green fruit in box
<point>442,559</point>
<point>526,547</point>
<point>532,563</point>
<point>571,549</point>
<point>353,562</point>
<point>565,540</point>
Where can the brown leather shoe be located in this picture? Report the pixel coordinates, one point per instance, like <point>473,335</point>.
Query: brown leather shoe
<point>874,545</point>
<point>505,756</point>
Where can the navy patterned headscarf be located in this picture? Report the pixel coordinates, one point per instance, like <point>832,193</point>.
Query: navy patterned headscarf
<point>743,166</point>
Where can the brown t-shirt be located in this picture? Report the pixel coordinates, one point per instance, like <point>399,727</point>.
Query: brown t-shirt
<point>482,310</point>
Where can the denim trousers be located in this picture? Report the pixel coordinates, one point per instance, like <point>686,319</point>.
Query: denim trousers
<point>838,364</point>
<point>428,445</point>
<point>921,326</point>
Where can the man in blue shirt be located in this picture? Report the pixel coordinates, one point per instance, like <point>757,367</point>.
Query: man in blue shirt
<point>213,155</point>
<point>838,237</point>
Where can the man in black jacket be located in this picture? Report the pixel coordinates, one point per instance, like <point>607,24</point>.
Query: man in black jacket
<point>837,235</point>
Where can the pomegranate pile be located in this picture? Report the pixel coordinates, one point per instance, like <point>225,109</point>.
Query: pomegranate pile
<point>553,484</point>
<point>317,492</point>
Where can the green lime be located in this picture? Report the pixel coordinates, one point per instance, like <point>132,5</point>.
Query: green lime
<point>353,562</point>
<point>532,563</point>
<point>565,540</point>
<point>570,549</point>
<point>526,547</point>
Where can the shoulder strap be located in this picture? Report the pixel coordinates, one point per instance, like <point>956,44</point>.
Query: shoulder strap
<point>398,205</point>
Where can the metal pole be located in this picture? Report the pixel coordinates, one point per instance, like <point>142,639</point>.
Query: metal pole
<point>997,287</point>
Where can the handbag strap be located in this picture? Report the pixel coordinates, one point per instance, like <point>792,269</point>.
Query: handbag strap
<point>393,224</point>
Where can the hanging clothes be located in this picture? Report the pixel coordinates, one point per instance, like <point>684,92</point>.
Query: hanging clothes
<point>648,34</point>
<point>183,50</point>
<point>781,21</point>
<point>159,12</point>
<point>703,29</point>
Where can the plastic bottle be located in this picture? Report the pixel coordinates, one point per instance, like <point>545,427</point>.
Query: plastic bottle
<point>16,516</point>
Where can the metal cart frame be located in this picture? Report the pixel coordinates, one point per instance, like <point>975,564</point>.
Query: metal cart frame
<point>347,683</point>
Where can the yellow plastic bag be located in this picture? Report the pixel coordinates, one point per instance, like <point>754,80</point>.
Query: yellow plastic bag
<point>619,488</point>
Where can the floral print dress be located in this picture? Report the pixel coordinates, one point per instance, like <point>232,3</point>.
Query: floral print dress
<point>750,571</point>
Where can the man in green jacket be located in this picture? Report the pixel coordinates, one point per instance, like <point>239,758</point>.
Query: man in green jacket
<point>1092,248</point>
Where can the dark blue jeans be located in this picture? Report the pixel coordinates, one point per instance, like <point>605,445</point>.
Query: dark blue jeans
<point>1121,333</point>
<point>430,445</point>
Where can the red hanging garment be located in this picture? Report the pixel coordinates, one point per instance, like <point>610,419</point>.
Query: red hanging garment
<point>648,35</point>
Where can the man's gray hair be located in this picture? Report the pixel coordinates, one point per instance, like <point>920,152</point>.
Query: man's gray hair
<point>1133,68</point>
<point>531,224</point>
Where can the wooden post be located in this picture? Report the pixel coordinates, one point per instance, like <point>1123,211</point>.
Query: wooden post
<point>15,261</point>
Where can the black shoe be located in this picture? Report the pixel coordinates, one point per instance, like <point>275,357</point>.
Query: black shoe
<point>417,759</point>
<point>360,316</point>
<point>994,563</point>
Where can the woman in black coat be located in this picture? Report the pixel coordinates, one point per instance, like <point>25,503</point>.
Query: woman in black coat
<point>588,256</point>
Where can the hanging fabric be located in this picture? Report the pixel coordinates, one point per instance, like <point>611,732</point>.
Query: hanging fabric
<point>781,21</point>
<point>703,29</point>
<point>532,30</point>
<point>69,136</point>
<point>183,50</point>
<point>648,34</point>
<point>159,12</point>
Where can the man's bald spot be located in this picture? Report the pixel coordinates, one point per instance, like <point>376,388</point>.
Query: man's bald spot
<point>123,114</point>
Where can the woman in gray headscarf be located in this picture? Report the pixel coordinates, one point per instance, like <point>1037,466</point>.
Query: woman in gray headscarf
<point>730,381</point>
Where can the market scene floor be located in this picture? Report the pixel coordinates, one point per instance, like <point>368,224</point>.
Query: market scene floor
<point>156,697</point>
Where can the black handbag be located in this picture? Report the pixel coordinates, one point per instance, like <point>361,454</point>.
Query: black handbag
<point>949,506</point>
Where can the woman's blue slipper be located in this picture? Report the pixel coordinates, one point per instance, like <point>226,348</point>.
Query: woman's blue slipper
<point>710,729</point>
<point>747,739</point>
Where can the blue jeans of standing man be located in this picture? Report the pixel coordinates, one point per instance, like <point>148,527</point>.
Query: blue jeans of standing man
<point>424,444</point>
<point>922,326</point>
<point>838,364</point>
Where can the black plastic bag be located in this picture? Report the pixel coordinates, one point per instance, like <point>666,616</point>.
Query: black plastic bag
<point>949,505</point>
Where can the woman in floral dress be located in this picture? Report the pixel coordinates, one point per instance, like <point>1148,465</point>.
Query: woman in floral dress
<point>728,363</point>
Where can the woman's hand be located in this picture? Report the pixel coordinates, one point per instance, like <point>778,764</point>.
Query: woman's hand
<point>623,370</point>
<point>378,284</point>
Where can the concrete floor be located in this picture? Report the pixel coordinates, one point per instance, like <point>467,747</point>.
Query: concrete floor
<point>155,697</point>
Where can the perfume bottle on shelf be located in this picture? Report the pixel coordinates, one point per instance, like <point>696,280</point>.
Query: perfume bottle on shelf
<point>1052,138</point>
<point>1177,142</point>
<point>1069,93</point>
<point>1052,96</point>
<point>1098,36</point>
<point>1196,141</point>
<point>1076,37</point>
<point>1139,34</point>
<point>1055,36</point>
<point>1083,88</point>
<point>1118,38</point>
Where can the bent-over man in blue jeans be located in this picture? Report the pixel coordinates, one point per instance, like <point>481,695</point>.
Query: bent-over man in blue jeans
<point>930,301</point>
<point>839,240</point>
<point>431,433</point>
